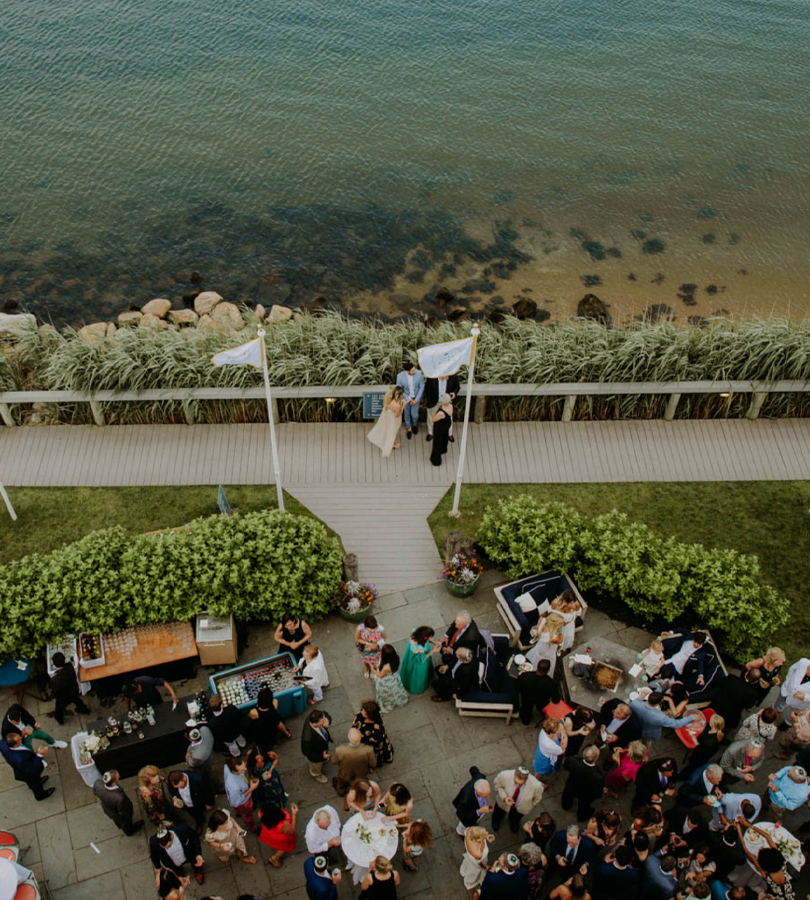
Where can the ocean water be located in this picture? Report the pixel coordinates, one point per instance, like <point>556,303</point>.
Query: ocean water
<point>361,152</point>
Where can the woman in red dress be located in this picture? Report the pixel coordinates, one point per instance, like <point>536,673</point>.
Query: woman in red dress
<point>278,830</point>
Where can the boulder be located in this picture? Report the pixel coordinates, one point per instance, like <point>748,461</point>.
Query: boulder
<point>279,314</point>
<point>592,308</point>
<point>206,301</point>
<point>111,329</point>
<point>206,322</point>
<point>259,313</point>
<point>130,317</point>
<point>151,321</point>
<point>95,332</point>
<point>13,326</point>
<point>525,308</point>
<point>227,315</point>
<point>183,317</point>
<point>158,307</point>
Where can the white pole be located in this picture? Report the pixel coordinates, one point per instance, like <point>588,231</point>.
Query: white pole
<point>273,448</point>
<point>9,507</point>
<point>463,451</point>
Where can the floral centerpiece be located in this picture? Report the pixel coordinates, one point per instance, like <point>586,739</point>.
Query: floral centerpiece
<point>94,743</point>
<point>355,599</point>
<point>461,573</point>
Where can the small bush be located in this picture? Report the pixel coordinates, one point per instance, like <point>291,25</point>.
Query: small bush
<point>254,566</point>
<point>624,561</point>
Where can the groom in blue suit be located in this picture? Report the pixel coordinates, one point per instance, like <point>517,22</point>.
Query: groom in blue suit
<point>412,382</point>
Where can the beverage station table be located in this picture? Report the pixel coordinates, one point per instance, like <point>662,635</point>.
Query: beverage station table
<point>241,685</point>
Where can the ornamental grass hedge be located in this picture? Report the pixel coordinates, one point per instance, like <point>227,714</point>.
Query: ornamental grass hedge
<point>254,566</point>
<point>622,561</point>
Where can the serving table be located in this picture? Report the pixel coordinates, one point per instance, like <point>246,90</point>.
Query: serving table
<point>363,840</point>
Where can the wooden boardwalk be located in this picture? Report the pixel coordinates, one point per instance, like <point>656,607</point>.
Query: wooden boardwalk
<point>539,452</point>
<point>379,506</point>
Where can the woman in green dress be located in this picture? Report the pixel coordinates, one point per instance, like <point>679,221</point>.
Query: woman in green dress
<point>417,669</point>
<point>264,766</point>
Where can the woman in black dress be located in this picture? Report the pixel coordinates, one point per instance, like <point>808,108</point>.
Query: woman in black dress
<point>370,724</point>
<point>441,429</point>
<point>292,636</point>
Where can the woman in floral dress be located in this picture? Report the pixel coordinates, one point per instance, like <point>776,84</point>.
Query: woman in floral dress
<point>370,724</point>
<point>390,690</point>
<point>369,637</point>
<point>264,766</point>
<point>152,795</point>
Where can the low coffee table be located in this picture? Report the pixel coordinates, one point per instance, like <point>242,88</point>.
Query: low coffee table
<point>583,692</point>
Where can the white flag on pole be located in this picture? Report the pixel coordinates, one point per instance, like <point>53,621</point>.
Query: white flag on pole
<point>441,360</point>
<point>249,354</point>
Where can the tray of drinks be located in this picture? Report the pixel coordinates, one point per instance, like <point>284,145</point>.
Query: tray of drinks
<point>240,686</point>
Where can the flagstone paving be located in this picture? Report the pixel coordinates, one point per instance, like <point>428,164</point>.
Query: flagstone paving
<point>434,750</point>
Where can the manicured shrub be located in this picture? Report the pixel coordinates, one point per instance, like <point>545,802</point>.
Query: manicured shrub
<point>624,561</point>
<point>254,566</point>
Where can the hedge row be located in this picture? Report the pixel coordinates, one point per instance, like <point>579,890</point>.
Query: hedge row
<point>624,561</point>
<point>254,566</point>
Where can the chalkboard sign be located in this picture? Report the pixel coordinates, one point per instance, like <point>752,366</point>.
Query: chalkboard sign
<point>372,405</point>
<point>222,502</point>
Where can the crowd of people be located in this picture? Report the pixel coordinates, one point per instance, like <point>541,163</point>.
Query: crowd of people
<point>694,829</point>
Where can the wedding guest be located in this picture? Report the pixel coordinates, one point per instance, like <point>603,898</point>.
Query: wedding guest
<point>19,721</point>
<point>741,759</point>
<point>759,726</point>
<point>457,678</point>
<point>369,636</point>
<point>571,852</point>
<point>603,828</point>
<point>442,422</point>
<point>322,833</point>
<point>264,767</point>
<point>386,429</point>
<point>769,863</point>
<point>239,788</point>
<point>797,735</point>
<point>172,847</point>
<point>654,781</point>
<point>27,765</point>
<point>506,880</point>
<point>388,685</point>
<point>618,724</point>
<point>708,745</point>
<point>225,723</point>
<point>517,792</point>
<point>739,693</point>
<point>535,861</point>
<point>416,838</point>
<point>313,668</point>
<point>412,382</point>
<point>628,761</point>
<point>382,880</point>
<point>199,755</point>
<point>572,889</point>
<point>551,744</point>
<point>192,794</point>
<point>354,760</point>
<point>473,867</point>
<point>114,802</point>
<point>541,830</point>
<point>434,389</point>
<point>416,670</point>
<point>369,723</point>
<point>788,788</point>
<point>585,783</point>
<point>769,666</point>
<point>265,722</point>
<point>315,741</point>
<point>653,719</point>
<point>292,635</point>
<point>578,725</point>
<point>151,793</point>
<point>65,688</point>
<point>462,632</point>
<point>536,690</point>
<point>398,804</point>
<point>321,881</point>
<point>473,801</point>
<point>226,838</point>
<point>278,830</point>
<point>364,796</point>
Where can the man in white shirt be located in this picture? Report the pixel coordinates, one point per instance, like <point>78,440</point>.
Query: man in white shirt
<point>795,691</point>
<point>412,382</point>
<point>323,830</point>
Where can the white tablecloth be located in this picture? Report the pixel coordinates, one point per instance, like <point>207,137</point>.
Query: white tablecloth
<point>382,840</point>
<point>755,842</point>
<point>89,771</point>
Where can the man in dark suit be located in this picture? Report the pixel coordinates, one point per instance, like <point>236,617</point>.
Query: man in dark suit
<point>536,689</point>
<point>473,801</point>
<point>463,632</point>
<point>27,764</point>
<point>654,780</point>
<point>685,657</point>
<point>192,793</point>
<point>114,802</point>
<point>571,852</point>
<point>703,782</point>
<point>65,688</point>
<point>616,880</point>
<point>434,388</point>
<point>660,877</point>
<point>457,679</point>
<point>225,723</point>
<point>315,741</point>
<point>618,724</point>
<point>585,784</point>
<point>174,846</point>
<point>739,692</point>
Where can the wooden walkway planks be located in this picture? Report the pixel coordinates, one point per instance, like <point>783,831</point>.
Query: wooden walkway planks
<point>721,450</point>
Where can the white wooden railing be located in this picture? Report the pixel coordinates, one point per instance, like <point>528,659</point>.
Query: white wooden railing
<point>758,390</point>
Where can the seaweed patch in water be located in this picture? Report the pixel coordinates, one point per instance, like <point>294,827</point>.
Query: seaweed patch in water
<point>653,245</point>
<point>709,238</point>
<point>706,212</point>
<point>594,249</point>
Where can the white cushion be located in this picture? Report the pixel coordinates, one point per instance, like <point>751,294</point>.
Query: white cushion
<point>527,603</point>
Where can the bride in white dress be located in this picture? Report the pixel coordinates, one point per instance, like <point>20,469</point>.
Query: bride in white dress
<point>547,636</point>
<point>476,852</point>
<point>385,430</point>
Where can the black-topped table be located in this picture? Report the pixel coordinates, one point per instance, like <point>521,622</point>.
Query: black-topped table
<point>163,744</point>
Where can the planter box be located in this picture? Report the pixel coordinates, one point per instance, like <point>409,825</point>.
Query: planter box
<point>462,590</point>
<point>355,617</point>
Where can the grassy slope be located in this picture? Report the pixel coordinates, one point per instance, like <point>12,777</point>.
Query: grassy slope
<point>51,517</point>
<point>770,519</point>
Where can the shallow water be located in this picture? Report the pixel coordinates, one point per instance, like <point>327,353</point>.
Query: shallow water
<point>323,143</point>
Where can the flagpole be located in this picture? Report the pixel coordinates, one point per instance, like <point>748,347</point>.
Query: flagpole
<point>463,451</point>
<point>9,507</point>
<point>270,420</point>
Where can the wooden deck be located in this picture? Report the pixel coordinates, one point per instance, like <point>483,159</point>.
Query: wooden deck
<point>539,452</point>
<point>379,506</point>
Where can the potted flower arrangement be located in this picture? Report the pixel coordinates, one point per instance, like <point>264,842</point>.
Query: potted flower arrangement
<point>461,573</point>
<point>354,600</point>
<point>94,743</point>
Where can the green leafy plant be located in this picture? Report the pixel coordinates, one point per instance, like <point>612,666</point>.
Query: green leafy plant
<point>718,589</point>
<point>254,566</point>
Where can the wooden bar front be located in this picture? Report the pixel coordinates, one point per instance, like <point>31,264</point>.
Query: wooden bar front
<point>148,645</point>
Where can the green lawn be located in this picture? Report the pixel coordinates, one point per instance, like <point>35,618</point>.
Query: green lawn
<point>47,518</point>
<point>768,518</point>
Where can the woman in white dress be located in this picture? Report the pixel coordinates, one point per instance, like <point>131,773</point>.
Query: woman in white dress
<point>547,636</point>
<point>570,608</point>
<point>385,431</point>
<point>476,852</point>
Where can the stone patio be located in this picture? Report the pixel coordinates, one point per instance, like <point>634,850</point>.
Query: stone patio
<point>434,750</point>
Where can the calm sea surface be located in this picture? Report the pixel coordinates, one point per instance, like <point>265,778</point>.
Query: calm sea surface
<point>352,149</point>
